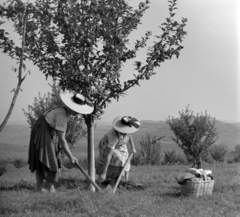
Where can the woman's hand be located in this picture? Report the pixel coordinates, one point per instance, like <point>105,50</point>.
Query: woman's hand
<point>132,145</point>
<point>102,177</point>
<point>64,145</point>
<point>134,151</point>
<point>73,160</point>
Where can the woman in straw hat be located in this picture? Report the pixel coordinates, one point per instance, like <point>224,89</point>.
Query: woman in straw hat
<point>48,137</point>
<point>113,148</point>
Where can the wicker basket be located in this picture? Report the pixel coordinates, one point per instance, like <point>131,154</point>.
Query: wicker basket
<point>197,188</point>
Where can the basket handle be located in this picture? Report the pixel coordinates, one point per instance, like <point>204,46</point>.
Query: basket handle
<point>198,165</point>
<point>204,175</point>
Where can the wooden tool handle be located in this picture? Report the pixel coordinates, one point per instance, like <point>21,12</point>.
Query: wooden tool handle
<point>120,176</point>
<point>88,177</point>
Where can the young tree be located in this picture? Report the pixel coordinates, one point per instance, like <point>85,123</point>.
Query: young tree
<point>76,126</point>
<point>194,134</point>
<point>7,44</point>
<point>84,44</point>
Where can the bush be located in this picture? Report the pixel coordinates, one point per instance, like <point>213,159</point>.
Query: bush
<point>3,166</point>
<point>237,148</point>
<point>170,157</point>
<point>136,159</point>
<point>76,128</point>
<point>218,152</point>
<point>19,163</point>
<point>181,159</point>
<point>150,150</point>
<point>206,156</point>
<point>194,134</point>
<point>236,158</point>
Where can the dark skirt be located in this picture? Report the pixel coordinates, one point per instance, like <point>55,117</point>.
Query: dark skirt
<point>44,151</point>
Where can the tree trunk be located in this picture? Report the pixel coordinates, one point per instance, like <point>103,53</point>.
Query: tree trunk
<point>20,80</point>
<point>11,107</point>
<point>91,149</point>
<point>198,162</point>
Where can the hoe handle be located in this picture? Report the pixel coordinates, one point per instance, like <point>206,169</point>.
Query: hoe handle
<point>88,177</point>
<point>120,176</point>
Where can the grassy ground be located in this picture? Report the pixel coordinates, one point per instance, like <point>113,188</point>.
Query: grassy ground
<point>160,195</point>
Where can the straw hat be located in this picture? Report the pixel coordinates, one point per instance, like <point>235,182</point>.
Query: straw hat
<point>126,124</point>
<point>77,102</point>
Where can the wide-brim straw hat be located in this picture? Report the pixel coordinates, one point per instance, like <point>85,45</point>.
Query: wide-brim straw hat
<point>126,124</point>
<point>77,102</point>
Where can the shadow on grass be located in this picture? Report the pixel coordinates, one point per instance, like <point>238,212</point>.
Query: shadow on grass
<point>172,192</point>
<point>66,183</point>
<point>18,186</point>
<point>63,183</point>
<point>71,183</point>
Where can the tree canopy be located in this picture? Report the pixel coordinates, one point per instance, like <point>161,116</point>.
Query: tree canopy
<point>76,128</point>
<point>84,43</point>
<point>194,134</point>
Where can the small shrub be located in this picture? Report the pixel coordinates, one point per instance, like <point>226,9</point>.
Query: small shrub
<point>3,166</point>
<point>218,152</point>
<point>181,159</point>
<point>19,163</point>
<point>237,148</point>
<point>150,150</point>
<point>136,159</point>
<point>236,158</point>
<point>170,157</point>
<point>206,157</point>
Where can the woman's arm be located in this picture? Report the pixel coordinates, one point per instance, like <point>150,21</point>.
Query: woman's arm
<point>132,144</point>
<point>64,145</point>
<point>106,163</point>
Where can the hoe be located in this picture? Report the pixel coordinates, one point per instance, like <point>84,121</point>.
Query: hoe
<point>109,189</point>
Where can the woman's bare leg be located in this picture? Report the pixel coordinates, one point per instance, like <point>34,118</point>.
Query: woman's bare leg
<point>126,176</point>
<point>50,187</point>
<point>39,182</point>
<point>113,181</point>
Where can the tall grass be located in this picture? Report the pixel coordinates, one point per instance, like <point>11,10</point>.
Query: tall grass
<point>161,195</point>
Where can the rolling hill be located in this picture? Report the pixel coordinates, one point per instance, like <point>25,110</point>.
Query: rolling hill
<point>14,139</point>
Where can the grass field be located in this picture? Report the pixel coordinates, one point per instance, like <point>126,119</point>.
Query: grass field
<point>160,195</point>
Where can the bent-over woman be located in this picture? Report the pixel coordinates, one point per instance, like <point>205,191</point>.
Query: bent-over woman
<point>48,138</point>
<point>113,151</point>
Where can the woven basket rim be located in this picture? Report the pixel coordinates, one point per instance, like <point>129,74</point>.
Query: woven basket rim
<point>200,181</point>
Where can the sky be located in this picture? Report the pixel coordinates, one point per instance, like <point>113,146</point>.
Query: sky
<point>206,77</point>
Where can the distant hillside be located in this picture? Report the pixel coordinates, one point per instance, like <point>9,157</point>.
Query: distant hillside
<point>15,135</point>
<point>18,135</point>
